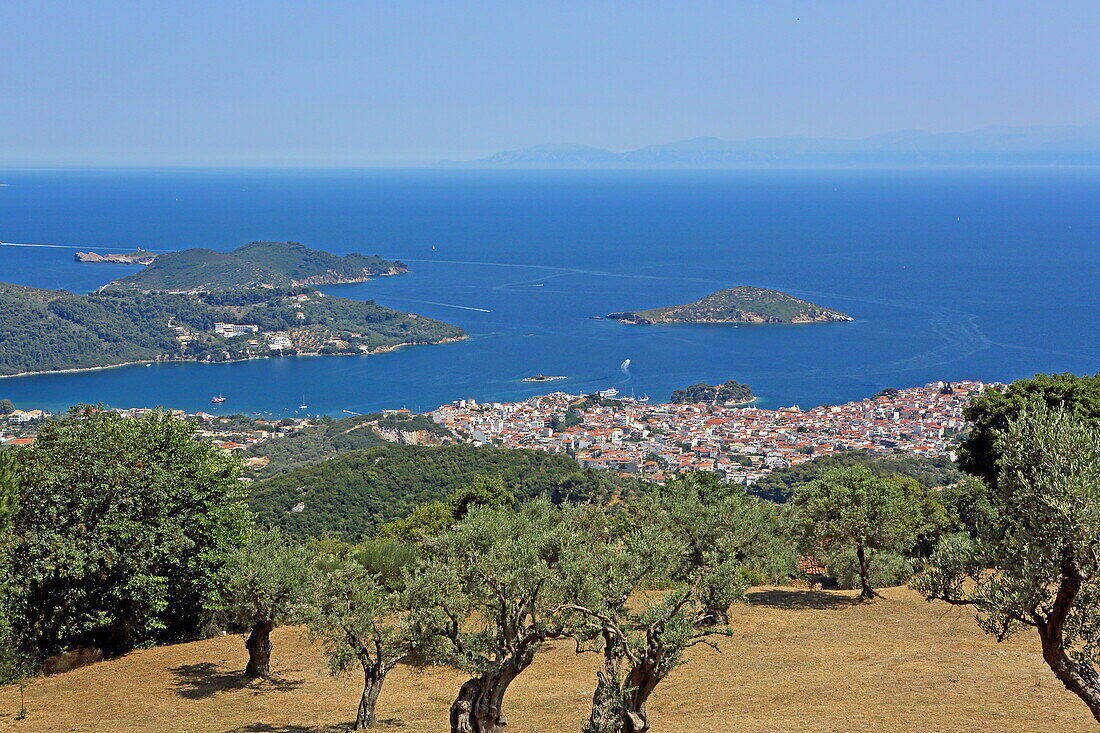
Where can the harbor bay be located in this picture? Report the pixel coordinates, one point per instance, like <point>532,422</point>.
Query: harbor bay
<point>950,275</point>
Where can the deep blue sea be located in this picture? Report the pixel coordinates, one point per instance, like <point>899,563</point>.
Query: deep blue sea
<point>950,274</point>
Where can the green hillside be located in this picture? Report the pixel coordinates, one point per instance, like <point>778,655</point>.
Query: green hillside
<point>329,438</point>
<point>257,264</point>
<point>742,304</point>
<point>355,493</point>
<point>48,330</point>
<point>930,472</point>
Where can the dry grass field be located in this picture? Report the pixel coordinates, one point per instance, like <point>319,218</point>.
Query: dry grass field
<point>804,661</point>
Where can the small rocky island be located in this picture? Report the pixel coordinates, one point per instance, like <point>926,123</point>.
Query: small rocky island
<point>542,378</point>
<point>741,304</point>
<point>140,257</point>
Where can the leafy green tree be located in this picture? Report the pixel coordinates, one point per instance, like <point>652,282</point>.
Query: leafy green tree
<point>935,520</point>
<point>970,507</point>
<point>433,519</point>
<point>122,530</point>
<point>488,590</point>
<point>424,522</point>
<point>851,507</point>
<point>1039,569</point>
<point>360,621</point>
<point>482,491</point>
<point>265,580</point>
<point>6,407</point>
<point>991,412</point>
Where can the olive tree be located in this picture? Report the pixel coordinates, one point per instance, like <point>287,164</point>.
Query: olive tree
<point>850,507</point>
<point>1039,567</point>
<point>265,580</point>
<point>487,590</point>
<point>359,620</point>
<point>711,525</point>
<point>483,491</point>
<point>642,637</point>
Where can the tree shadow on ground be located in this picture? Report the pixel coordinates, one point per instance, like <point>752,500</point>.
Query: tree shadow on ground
<point>799,599</point>
<point>339,728</point>
<point>205,679</point>
<point>266,728</point>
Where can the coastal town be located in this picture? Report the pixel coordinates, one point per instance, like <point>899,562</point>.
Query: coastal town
<point>649,441</point>
<point>653,442</point>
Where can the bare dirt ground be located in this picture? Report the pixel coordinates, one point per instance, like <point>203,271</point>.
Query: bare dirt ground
<point>803,661</point>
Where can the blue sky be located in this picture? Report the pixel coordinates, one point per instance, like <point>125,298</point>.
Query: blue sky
<point>275,83</point>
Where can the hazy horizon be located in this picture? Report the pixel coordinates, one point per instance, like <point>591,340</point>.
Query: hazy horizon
<point>279,84</point>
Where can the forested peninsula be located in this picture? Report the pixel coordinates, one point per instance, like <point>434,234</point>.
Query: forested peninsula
<point>741,304</point>
<point>55,330</point>
<point>255,265</point>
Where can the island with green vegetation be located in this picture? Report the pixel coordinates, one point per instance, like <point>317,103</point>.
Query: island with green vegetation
<point>55,330</point>
<point>730,393</point>
<point>741,304</point>
<point>542,378</point>
<point>255,265</point>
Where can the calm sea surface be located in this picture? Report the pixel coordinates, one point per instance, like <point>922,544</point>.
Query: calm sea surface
<point>963,274</point>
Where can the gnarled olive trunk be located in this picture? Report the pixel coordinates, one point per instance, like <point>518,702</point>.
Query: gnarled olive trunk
<point>478,707</point>
<point>608,698</point>
<point>639,684</point>
<point>1079,678</point>
<point>259,649</point>
<point>374,675</point>
<point>618,704</point>
<point>713,617</point>
<point>867,593</point>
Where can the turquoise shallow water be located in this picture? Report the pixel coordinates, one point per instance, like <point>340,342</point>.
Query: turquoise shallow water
<point>985,274</point>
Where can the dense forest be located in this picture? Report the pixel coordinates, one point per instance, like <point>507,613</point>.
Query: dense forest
<point>257,264</point>
<point>45,330</point>
<point>329,438</point>
<point>779,485</point>
<point>730,392</point>
<point>355,493</point>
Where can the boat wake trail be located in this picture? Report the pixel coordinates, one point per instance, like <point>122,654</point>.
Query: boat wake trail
<point>72,246</point>
<point>567,270</point>
<point>625,368</point>
<point>445,305</point>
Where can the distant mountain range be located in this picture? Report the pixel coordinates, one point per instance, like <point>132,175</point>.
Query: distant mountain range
<point>1064,145</point>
